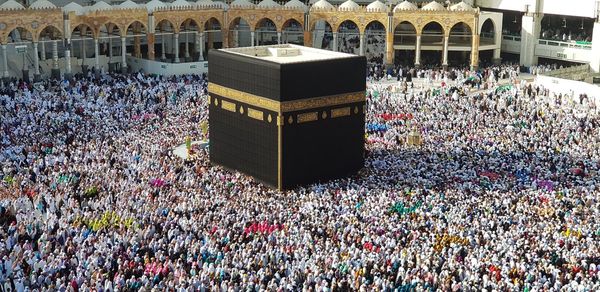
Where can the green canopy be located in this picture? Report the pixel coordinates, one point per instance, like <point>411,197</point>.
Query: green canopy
<point>504,88</point>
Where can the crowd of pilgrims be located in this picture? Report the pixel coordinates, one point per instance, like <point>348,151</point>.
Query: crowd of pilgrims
<point>501,194</point>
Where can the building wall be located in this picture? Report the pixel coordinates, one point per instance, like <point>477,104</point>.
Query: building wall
<point>583,8</point>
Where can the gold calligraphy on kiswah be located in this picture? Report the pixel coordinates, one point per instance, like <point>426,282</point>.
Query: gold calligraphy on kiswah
<point>286,106</point>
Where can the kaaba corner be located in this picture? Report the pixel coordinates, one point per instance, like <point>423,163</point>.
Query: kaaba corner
<point>287,115</point>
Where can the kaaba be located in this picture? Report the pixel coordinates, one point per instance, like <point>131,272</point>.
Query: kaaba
<point>287,115</point>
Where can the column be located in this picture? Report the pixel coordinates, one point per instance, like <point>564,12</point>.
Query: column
<point>55,54</point>
<point>389,42</point>
<point>163,52</point>
<point>497,59</point>
<point>110,48</point>
<point>210,36</point>
<point>43,51</point>
<point>137,46</point>
<point>235,38</point>
<point>96,54</point>
<point>307,38</point>
<point>418,52</point>
<point>123,53</point>
<point>83,54</point>
<point>361,41</point>
<point>200,45</point>
<point>36,61</point>
<point>475,52</point>
<point>445,52</point>
<point>389,47</point>
<point>530,31</point>
<point>68,57</point>
<point>176,44</point>
<point>595,55</point>
<point>150,37</point>
<point>279,37</point>
<point>187,46</point>
<point>4,61</point>
<point>335,41</point>
<point>252,38</point>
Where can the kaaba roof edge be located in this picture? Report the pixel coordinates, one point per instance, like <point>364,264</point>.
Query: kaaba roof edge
<point>287,53</point>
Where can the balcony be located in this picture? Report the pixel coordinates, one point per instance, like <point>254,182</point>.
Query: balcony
<point>511,44</point>
<point>567,51</point>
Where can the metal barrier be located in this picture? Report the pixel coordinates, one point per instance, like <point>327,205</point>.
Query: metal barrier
<point>571,44</point>
<point>511,38</point>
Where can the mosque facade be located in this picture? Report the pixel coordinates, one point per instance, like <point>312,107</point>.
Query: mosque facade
<point>60,36</point>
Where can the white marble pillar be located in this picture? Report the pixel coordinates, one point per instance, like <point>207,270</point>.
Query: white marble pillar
<point>123,53</point>
<point>531,24</point>
<point>43,51</point>
<point>335,41</point>
<point>36,59</point>
<point>68,57</point>
<point>110,52</point>
<point>83,54</point>
<point>445,52</point>
<point>187,45</point>
<point>595,56</point>
<point>176,44</point>
<point>55,54</point>
<point>96,54</point>
<point>361,49</point>
<point>4,61</point>
<point>252,38</point>
<point>200,45</point>
<point>418,51</point>
<point>279,37</point>
<point>163,53</point>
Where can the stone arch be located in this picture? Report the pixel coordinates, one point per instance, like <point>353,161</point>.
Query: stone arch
<point>371,24</point>
<point>160,24</point>
<point>238,34</point>
<point>212,23</point>
<point>458,22</point>
<point>20,30</point>
<point>213,33</point>
<point>130,26</point>
<point>113,34</point>
<point>236,21</point>
<point>487,30</point>
<point>188,30</point>
<point>421,29</point>
<point>405,36</point>
<point>347,20</point>
<point>487,20</point>
<point>315,19</point>
<point>109,28</point>
<point>349,39</point>
<point>374,34</point>
<point>81,35</point>
<point>138,36</point>
<point>291,31</point>
<point>397,22</point>
<point>189,21</point>
<point>264,20</point>
<point>52,28</point>
<point>265,31</point>
<point>290,20</point>
<point>88,29</point>
<point>461,33</point>
<point>321,37</point>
